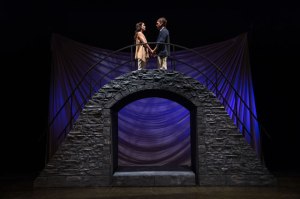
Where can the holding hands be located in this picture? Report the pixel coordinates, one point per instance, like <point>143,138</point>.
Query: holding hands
<point>152,53</point>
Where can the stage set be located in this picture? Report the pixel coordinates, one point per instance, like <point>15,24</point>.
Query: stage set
<point>194,124</point>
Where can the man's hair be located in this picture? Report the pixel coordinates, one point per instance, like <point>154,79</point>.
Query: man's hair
<point>163,20</point>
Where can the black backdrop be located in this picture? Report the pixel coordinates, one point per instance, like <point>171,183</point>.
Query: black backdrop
<point>26,29</point>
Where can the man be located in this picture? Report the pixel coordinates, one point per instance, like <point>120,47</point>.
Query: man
<point>162,48</point>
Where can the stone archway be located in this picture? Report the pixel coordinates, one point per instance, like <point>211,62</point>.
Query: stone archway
<point>221,153</point>
<point>159,174</point>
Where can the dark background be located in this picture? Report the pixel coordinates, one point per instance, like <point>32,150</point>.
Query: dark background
<point>26,28</point>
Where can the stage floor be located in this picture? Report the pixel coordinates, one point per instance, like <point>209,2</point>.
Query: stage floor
<point>288,187</point>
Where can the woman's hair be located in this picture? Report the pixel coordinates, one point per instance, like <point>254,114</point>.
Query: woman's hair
<point>138,28</point>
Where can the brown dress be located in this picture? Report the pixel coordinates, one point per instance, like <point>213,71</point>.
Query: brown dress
<point>141,51</point>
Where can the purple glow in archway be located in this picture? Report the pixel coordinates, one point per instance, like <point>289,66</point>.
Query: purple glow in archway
<point>154,132</point>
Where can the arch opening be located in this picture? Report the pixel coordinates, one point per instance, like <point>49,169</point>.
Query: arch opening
<point>155,132</point>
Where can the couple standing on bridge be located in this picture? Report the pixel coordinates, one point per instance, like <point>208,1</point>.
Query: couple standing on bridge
<point>161,50</point>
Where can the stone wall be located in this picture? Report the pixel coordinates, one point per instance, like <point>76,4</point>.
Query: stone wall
<point>222,155</point>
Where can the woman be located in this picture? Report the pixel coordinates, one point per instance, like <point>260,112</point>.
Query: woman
<point>142,48</point>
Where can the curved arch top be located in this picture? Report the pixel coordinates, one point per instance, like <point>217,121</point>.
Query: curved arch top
<point>156,92</point>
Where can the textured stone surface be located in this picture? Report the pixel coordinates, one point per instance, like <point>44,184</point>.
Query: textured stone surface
<point>85,158</point>
<point>154,178</point>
